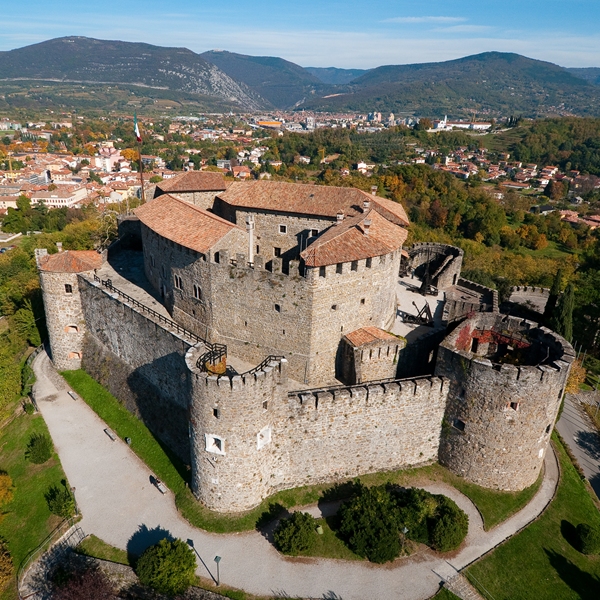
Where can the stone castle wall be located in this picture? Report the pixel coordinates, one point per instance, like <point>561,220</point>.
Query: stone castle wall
<point>370,362</point>
<point>500,416</point>
<point>139,362</point>
<point>445,262</point>
<point>65,319</point>
<point>251,438</point>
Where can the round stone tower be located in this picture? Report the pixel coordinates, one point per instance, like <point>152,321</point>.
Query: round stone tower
<point>231,420</point>
<point>62,302</point>
<point>507,381</point>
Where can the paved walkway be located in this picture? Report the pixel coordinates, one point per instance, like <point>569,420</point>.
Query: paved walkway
<point>582,438</point>
<point>120,506</point>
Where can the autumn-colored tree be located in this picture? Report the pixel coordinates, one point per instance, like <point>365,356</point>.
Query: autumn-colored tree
<point>6,488</point>
<point>6,565</point>
<point>576,377</point>
<point>129,154</point>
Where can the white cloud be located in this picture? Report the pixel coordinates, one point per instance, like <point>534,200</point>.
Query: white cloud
<point>425,20</point>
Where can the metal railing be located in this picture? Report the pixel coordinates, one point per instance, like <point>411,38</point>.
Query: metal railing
<point>107,283</point>
<point>265,363</point>
<point>214,356</point>
<point>54,536</point>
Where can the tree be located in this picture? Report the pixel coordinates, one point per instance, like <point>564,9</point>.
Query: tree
<point>6,488</point>
<point>553,297</point>
<point>168,567</point>
<point>60,500</point>
<point>562,320</point>
<point>39,448</point>
<point>90,584</point>
<point>295,534</point>
<point>6,565</point>
<point>589,538</point>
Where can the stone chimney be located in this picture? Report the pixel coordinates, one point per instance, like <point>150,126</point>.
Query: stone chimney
<point>374,190</point>
<point>366,226</point>
<point>59,246</point>
<point>340,217</point>
<point>366,205</point>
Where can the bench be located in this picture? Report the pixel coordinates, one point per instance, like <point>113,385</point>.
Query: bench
<point>72,394</point>
<point>110,434</point>
<point>160,485</point>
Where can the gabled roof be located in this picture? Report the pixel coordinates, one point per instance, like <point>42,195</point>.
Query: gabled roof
<point>348,240</point>
<point>317,200</point>
<point>71,261</point>
<point>194,181</point>
<point>368,335</point>
<point>183,223</point>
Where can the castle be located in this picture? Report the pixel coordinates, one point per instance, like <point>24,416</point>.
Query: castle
<point>265,332</point>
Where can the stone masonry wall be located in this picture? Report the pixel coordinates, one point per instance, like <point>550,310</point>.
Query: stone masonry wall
<point>500,416</point>
<point>250,439</point>
<point>140,362</point>
<point>370,362</point>
<point>448,259</point>
<point>64,319</point>
<point>345,300</point>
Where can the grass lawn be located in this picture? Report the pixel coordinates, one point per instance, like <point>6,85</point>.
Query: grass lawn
<point>541,562</point>
<point>27,520</point>
<point>494,506</point>
<point>94,546</point>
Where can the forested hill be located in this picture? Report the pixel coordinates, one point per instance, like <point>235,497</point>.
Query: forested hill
<point>81,59</point>
<point>335,76</point>
<point>279,81</point>
<point>495,82</point>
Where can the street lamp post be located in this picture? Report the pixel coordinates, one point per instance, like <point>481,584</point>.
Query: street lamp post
<point>74,500</point>
<point>404,532</point>
<point>218,560</point>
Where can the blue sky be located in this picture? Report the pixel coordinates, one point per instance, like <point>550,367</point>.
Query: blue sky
<point>325,33</point>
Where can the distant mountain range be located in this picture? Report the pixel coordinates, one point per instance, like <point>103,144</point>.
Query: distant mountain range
<point>491,83</point>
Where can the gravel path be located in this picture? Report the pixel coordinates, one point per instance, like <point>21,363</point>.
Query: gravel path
<point>122,507</point>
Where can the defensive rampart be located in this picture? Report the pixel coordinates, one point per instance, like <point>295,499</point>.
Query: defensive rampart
<point>139,361</point>
<point>507,381</point>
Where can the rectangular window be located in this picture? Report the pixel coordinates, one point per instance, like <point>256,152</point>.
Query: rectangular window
<point>368,263</point>
<point>322,271</point>
<point>354,265</point>
<point>314,232</point>
<point>68,288</point>
<point>178,282</point>
<point>276,251</point>
<point>216,413</point>
<point>197,292</point>
<point>283,229</point>
<point>458,424</point>
<point>152,261</point>
<point>257,249</point>
<point>339,268</point>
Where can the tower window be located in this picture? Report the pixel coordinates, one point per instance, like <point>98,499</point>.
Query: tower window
<point>458,424</point>
<point>152,261</point>
<point>214,444</point>
<point>339,268</point>
<point>278,308</point>
<point>71,329</point>
<point>283,229</point>
<point>354,265</point>
<point>276,251</point>
<point>68,288</point>
<point>197,292</point>
<point>362,300</point>
<point>514,405</point>
<point>178,282</point>
<point>216,413</point>
<point>334,307</point>
<point>368,263</point>
<point>314,232</point>
<point>322,271</point>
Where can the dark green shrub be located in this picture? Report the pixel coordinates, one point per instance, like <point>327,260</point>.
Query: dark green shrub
<point>449,527</point>
<point>296,534</point>
<point>589,538</point>
<point>369,524</point>
<point>39,448</point>
<point>60,501</point>
<point>168,567</point>
<point>29,408</point>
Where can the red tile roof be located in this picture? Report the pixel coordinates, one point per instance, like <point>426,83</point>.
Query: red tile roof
<point>194,181</point>
<point>347,241</point>
<point>183,223</point>
<point>318,200</point>
<point>71,261</point>
<point>368,335</point>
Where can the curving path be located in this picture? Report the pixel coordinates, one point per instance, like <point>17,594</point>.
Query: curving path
<point>116,499</point>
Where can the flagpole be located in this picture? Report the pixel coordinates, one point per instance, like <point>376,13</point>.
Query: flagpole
<point>138,137</point>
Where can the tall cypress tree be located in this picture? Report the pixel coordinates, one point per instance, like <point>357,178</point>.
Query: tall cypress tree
<point>562,321</point>
<point>553,298</point>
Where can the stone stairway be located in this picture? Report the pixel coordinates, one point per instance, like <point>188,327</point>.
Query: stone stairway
<point>460,586</point>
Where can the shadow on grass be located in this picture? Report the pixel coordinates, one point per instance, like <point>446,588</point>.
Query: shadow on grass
<point>269,519</point>
<point>182,469</point>
<point>585,585</point>
<point>569,532</point>
<point>142,539</point>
